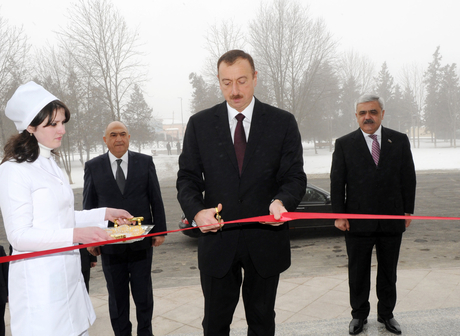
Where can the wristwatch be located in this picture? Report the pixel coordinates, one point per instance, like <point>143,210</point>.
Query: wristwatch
<point>277,199</point>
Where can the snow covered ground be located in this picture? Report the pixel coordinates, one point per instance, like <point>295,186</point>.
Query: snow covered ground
<point>426,158</point>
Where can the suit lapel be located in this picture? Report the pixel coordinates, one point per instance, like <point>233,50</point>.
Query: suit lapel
<point>132,167</point>
<point>222,128</point>
<point>386,145</point>
<point>108,175</point>
<point>223,133</point>
<point>361,146</point>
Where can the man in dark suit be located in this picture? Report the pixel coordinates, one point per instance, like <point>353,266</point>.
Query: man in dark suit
<point>372,173</point>
<point>88,261</point>
<point>219,171</point>
<point>129,264</point>
<point>4,267</point>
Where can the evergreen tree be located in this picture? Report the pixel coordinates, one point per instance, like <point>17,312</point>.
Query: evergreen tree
<point>384,88</point>
<point>349,94</point>
<point>409,109</point>
<point>138,119</point>
<point>319,105</point>
<point>204,95</point>
<point>96,115</point>
<point>449,96</point>
<point>432,80</point>
<point>394,114</point>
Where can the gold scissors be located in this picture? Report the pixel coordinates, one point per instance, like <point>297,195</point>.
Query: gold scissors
<point>219,218</point>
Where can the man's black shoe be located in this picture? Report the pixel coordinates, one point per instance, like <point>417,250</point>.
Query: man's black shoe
<point>356,326</point>
<point>391,325</point>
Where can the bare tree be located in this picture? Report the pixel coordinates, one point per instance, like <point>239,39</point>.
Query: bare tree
<point>220,39</point>
<point>104,49</point>
<point>53,71</point>
<point>290,48</point>
<point>359,67</point>
<point>14,52</point>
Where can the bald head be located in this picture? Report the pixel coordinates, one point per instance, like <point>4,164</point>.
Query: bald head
<point>117,138</point>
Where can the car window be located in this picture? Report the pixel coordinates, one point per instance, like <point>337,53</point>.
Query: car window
<point>312,195</point>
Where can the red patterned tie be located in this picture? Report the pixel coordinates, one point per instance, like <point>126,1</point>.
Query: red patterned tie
<point>375,149</point>
<point>239,141</point>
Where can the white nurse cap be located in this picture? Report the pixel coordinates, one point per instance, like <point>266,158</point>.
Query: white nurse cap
<point>26,103</point>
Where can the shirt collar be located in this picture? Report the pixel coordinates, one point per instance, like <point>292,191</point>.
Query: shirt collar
<point>113,158</point>
<point>232,113</point>
<point>378,133</point>
<point>45,151</point>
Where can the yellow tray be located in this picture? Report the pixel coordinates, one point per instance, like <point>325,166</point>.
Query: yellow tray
<point>129,231</point>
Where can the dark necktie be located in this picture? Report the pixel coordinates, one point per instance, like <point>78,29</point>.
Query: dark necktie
<point>120,176</point>
<point>239,141</point>
<point>375,149</point>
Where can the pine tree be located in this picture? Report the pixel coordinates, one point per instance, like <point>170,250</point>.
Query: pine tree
<point>204,95</point>
<point>394,114</point>
<point>449,96</point>
<point>138,119</point>
<point>409,109</point>
<point>384,88</point>
<point>348,97</point>
<point>432,80</point>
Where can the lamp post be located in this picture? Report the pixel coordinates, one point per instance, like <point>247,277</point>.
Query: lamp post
<point>182,118</point>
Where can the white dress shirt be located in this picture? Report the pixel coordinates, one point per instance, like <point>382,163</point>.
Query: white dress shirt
<point>247,112</point>
<point>369,139</point>
<point>114,164</point>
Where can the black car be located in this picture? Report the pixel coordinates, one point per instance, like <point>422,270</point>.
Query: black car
<point>315,200</point>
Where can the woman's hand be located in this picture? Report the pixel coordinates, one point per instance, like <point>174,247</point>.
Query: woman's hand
<point>90,234</point>
<point>120,215</point>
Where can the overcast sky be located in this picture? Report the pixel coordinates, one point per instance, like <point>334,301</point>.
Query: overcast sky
<point>399,32</point>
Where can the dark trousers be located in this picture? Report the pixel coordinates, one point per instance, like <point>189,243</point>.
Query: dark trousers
<point>86,277</point>
<point>131,268</point>
<point>221,297</point>
<point>2,321</point>
<point>359,250</point>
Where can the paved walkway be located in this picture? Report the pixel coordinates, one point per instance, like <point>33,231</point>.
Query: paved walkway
<point>428,304</point>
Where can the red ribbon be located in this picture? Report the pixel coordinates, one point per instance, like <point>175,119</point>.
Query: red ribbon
<point>287,216</point>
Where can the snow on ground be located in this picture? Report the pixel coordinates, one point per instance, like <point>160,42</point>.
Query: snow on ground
<point>426,158</point>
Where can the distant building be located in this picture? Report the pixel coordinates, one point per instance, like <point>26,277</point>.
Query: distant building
<point>172,131</point>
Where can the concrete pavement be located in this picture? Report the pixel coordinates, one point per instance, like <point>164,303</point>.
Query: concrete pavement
<point>428,304</point>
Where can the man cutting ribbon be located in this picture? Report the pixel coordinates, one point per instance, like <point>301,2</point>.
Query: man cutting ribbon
<point>245,157</point>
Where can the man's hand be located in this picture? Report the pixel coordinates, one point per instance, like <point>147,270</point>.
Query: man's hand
<point>94,250</point>
<point>342,224</point>
<point>120,215</point>
<point>158,240</point>
<point>206,217</point>
<point>276,209</point>
<point>408,221</point>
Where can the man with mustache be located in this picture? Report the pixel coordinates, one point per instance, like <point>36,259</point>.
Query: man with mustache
<point>129,180</point>
<point>372,173</point>
<point>241,158</point>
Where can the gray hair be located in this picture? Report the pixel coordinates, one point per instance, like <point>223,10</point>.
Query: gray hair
<point>368,98</point>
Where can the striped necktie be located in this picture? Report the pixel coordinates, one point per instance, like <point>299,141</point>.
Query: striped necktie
<point>375,149</point>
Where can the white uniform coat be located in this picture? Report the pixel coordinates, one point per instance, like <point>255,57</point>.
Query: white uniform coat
<point>47,294</point>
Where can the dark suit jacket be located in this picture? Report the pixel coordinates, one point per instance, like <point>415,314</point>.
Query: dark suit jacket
<point>141,198</point>
<point>4,267</point>
<point>359,186</point>
<point>208,175</point>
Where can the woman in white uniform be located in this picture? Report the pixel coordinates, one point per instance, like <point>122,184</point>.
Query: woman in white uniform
<point>47,294</point>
